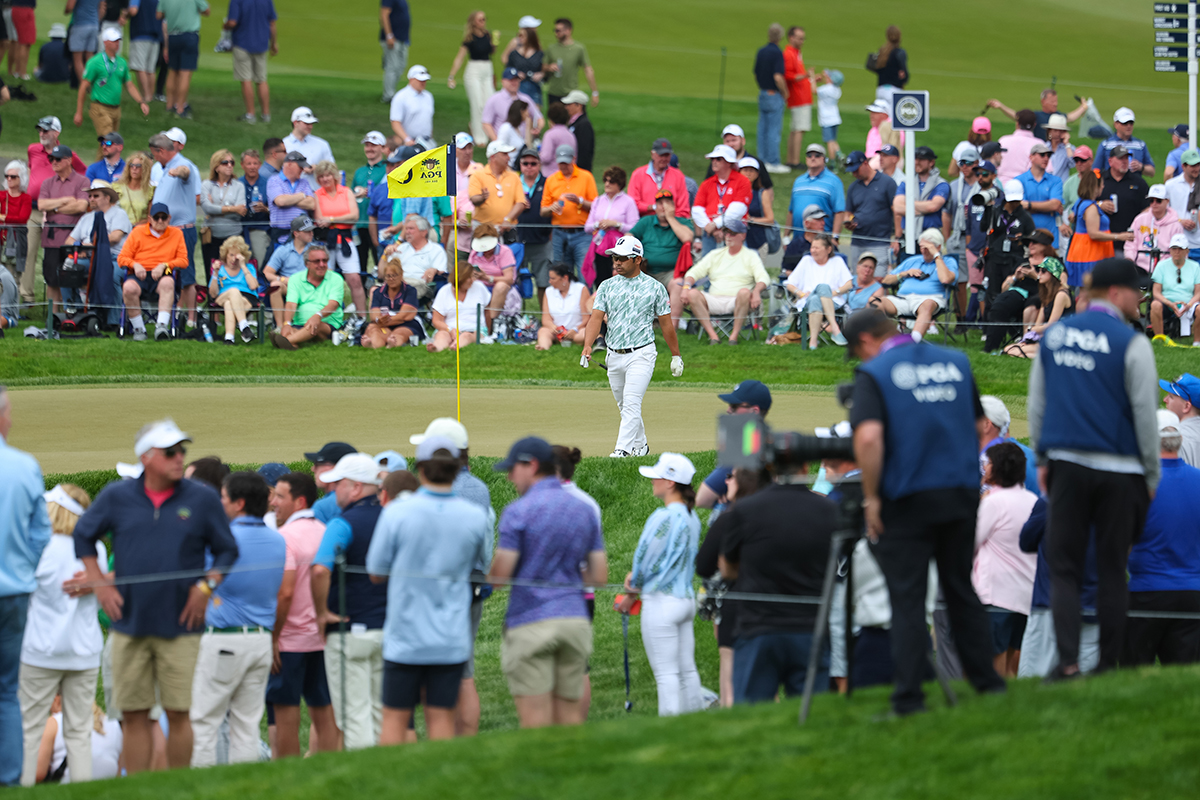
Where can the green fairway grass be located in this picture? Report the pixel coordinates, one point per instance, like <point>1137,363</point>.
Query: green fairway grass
<point>1128,735</point>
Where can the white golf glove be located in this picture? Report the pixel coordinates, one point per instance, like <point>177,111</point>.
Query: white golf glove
<point>584,361</point>
<point>677,366</point>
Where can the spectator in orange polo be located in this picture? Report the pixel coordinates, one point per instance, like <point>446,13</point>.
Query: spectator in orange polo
<point>496,190</point>
<point>800,94</point>
<point>151,254</point>
<point>566,200</point>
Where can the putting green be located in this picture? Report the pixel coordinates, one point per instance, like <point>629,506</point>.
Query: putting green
<point>72,429</point>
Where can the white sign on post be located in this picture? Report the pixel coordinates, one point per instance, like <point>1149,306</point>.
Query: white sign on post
<point>910,113</point>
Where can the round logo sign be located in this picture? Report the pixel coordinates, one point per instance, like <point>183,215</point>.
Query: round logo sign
<point>909,111</point>
<point>1055,337</point>
<point>904,377</point>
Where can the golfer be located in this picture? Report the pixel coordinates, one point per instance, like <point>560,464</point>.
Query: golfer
<point>631,300</point>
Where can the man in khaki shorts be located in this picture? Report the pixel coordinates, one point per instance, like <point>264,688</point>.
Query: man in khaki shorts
<point>736,280</point>
<point>545,535</point>
<point>253,26</point>
<point>160,523</point>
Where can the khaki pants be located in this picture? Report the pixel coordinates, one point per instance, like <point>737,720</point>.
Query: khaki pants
<point>37,689</point>
<point>360,714</point>
<point>231,678</point>
<point>33,229</point>
<point>105,119</point>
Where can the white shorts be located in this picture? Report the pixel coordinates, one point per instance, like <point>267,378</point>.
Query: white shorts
<point>348,264</point>
<point>719,304</point>
<point>802,118</point>
<point>143,55</point>
<point>907,305</point>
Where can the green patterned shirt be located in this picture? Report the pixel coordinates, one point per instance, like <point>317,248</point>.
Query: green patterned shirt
<point>632,305</point>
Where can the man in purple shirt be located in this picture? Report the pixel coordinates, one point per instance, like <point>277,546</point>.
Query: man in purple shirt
<point>62,198</point>
<point>545,535</point>
<point>495,111</point>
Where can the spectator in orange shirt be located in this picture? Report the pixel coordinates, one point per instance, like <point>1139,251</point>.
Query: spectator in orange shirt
<point>567,199</point>
<point>800,94</point>
<point>151,253</point>
<point>496,190</point>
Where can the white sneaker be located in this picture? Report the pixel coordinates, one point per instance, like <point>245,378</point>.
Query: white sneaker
<point>487,338</point>
<point>778,169</point>
<point>619,454</point>
<point>638,452</point>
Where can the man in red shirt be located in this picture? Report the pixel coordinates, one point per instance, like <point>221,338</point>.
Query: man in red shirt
<point>48,129</point>
<point>724,195</point>
<point>800,94</point>
<point>646,182</point>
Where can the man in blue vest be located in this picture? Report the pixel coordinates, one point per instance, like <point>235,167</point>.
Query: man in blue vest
<point>916,416</point>
<point>1091,408</point>
<point>359,651</point>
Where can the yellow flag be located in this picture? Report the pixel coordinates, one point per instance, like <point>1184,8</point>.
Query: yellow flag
<point>429,174</point>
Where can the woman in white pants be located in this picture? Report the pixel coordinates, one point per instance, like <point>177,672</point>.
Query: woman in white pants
<point>478,45</point>
<point>60,653</point>
<point>664,566</point>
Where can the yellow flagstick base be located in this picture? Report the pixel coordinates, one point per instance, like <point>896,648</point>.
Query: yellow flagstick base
<point>457,330</point>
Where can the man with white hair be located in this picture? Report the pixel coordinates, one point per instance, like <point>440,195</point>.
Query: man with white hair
<point>412,108</point>
<point>922,279</point>
<point>1183,397</point>
<point>159,523</point>
<point>421,259</point>
<point>24,535</point>
<point>994,430</point>
<point>1164,564</point>
<point>304,141</point>
<point>1174,286</point>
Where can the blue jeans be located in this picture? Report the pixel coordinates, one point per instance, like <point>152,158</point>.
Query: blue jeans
<point>770,125</point>
<point>569,247</point>
<point>1194,253</point>
<point>812,303</point>
<point>12,629</point>
<point>761,664</point>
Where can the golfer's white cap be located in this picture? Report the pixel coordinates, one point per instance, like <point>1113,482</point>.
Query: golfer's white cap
<point>161,435</point>
<point>626,246</point>
<point>354,467</point>
<point>671,467</point>
<point>1157,192</point>
<point>417,72</point>
<point>304,114</point>
<point>449,427</point>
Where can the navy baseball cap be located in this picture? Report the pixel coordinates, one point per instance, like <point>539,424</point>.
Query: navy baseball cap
<point>61,151</point>
<point>271,472</point>
<point>1186,386</point>
<point>855,160</point>
<point>159,208</point>
<point>888,150</point>
<point>531,448</point>
<point>986,166</point>
<point>1116,272</point>
<point>750,393</point>
<point>989,149</point>
<point>331,453</point>
<point>509,73</point>
<point>1180,130</point>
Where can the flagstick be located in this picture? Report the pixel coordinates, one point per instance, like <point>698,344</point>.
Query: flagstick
<point>457,331</point>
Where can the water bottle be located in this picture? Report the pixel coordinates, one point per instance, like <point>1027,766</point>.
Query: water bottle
<point>342,172</point>
<point>207,332</point>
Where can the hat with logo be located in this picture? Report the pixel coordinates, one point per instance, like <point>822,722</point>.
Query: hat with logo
<point>303,224</point>
<point>734,129</point>
<point>463,139</point>
<point>671,467</point>
<point>111,35</point>
<point>661,147</point>
<point>1180,130</point>
<point>564,154</point>
<point>1014,191</point>
<point>813,211</point>
<point>358,467</point>
<point>1123,114</point>
<point>525,451</point>
<point>498,146</point>
<point>1116,272</point>
<point>449,427</point>
<point>1085,152</point>
<point>161,435</point>
<point>925,152</point>
<point>374,137</point>
<point>989,149</point>
<point>575,97</point>
<point>855,160</point>
<point>749,393</point>
<point>331,453</point>
<point>723,152</point>
<point>272,471</point>
<point>814,148</point>
<point>1057,122</point>
<point>733,225</point>
<point>111,138</point>
<point>510,74</point>
<point>888,150</point>
<point>1039,148</point>
<point>1157,192</point>
<point>418,73</point>
<point>626,246</point>
<point>392,461</point>
<point>981,125</point>
<point>985,166</point>
<point>50,123</point>
<point>1120,151</point>
<point>303,114</point>
<point>1180,240</point>
<point>1186,386</point>
<point>429,448</point>
<point>61,151</point>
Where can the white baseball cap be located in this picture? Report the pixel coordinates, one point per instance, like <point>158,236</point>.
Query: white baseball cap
<point>626,246</point>
<point>747,162</point>
<point>463,139</point>
<point>50,123</point>
<point>354,467</point>
<point>176,135</point>
<point>162,434</point>
<point>723,152</point>
<point>111,35</point>
<point>529,21</point>
<point>449,427</point>
<point>735,129</point>
<point>1158,192</point>
<point>498,147</point>
<point>1166,419</point>
<point>375,137</point>
<point>1014,190</point>
<point>304,114</point>
<point>1180,240</point>
<point>996,412</point>
<point>878,108</point>
<point>671,467</point>
<point>428,448</point>
<point>1123,114</point>
<point>417,72</point>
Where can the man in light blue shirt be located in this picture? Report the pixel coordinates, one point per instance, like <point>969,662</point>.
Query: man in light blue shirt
<point>24,533</point>
<point>179,188</point>
<point>818,186</point>
<point>1043,190</point>
<point>427,632</point>
<point>923,279</point>
<point>235,650</point>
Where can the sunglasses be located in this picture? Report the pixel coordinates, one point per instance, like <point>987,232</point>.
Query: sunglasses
<point>175,450</point>
<point>1078,160</point>
<point>136,165</point>
<point>317,260</point>
<point>13,177</point>
<point>56,159</point>
<point>108,143</point>
<point>1157,200</point>
<point>229,161</point>
<point>622,258</point>
<point>161,217</point>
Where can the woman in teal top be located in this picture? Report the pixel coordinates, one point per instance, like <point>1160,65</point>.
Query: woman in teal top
<point>232,281</point>
<point>664,569</point>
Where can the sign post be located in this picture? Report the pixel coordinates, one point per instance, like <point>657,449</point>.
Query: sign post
<point>910,113</point>
<point>1165,33</point>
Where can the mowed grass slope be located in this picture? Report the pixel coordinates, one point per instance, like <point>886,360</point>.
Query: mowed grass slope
<point>1125,735</point>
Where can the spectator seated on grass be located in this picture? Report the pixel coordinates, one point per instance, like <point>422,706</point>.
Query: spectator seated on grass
<point>150,255</point>
<point>819,283</point>
<point>233,286</point>
<point>566,308</point>
<point>736,279</point>
<point>456,316</point>
<point>314,304</point>
<point>922,280</point>
<point>393,311</point>
<point>286,261</point>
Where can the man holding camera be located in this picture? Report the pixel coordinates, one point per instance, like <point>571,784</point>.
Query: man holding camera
<point>1007,227</point>
<point>920,482</point>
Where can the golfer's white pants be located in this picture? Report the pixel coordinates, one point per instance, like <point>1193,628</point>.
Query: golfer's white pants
<point>670,642</point>
<point>1039,646</point>
<point>231,678</point>
<point>629,376</point>
<point>360,715</point>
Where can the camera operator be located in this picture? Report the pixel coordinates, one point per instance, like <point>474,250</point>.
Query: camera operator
<point>777,542</point>
<point>748,397</point>
<point>916,415</point>
<point>1007,227</point>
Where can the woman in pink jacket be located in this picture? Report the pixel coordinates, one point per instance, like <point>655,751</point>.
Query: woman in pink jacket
<point>1152,230</point>
<point>1003,575</point>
